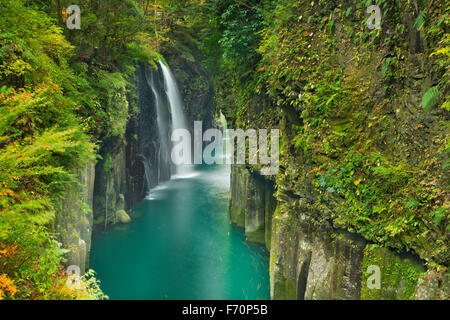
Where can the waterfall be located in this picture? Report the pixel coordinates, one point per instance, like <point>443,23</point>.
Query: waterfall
<point>163,125</point>
<point>160,162</point>
<point>176,108</point>
<point>168,107</point>
<point>148,179</point>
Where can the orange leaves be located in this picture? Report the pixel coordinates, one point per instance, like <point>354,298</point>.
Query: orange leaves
<point>7,192</point>
<point>314,170</point>
<point>7,286</point>
<point>8,251</point>
<point>262,69</point>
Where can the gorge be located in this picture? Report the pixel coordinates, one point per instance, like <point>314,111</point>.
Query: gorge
<point>310,259</point>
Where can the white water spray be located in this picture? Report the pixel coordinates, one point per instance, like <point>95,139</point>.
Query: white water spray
<point>176,110</point>
<point>163,151</point>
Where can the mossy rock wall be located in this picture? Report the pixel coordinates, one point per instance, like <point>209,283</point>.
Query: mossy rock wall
<point>313,260</point>
<point>110,184</point>
<point>399,274</point>
<point>239,183</point>
<point>74,218</point>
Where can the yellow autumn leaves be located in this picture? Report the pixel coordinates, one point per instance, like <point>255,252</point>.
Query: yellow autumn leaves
<point>7,287</point>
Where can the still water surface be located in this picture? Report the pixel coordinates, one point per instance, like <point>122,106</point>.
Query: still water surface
<point>181,245</point>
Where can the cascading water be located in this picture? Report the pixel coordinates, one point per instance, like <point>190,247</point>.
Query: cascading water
<point>176,109</point>
<point>148,179</point>
<point>169,110</point>
<point>163,125</point>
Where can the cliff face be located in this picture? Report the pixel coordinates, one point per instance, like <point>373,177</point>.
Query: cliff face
<point>132,164</point>
<point>99,194</point>
<point>110,187</point>
<point>363,149</point>
<point>310,259</point>
<point>74,219</point>
<point>252,204</point>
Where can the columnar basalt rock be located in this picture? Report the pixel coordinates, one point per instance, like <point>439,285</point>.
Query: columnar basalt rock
<point>255,210</point>
<point>432,286</point>
<point>109,185</point>
<point>239,182</point>
<point>74,218</point>
<point>310,260</point>
<point>270,204</point>
<point>252,203</point>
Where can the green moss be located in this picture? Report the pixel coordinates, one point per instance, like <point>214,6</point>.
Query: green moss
<point>268,237</point>
<point>285,289</point>
<point>237,217</point>
<point>274,250</point>
<point>320,67</point>
<point>399,275</point>
<point>123,217</point>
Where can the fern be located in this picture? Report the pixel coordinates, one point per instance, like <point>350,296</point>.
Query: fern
<point>420,20</point>
<point>439,216</point>
<point>349,10</point>
<point>431,98</point>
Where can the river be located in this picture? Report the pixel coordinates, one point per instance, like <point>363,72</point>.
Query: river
<point>181,245</point>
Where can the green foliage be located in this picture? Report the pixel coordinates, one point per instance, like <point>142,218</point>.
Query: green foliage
<point>420,20</point>
<point>385,66</point>
<point>92,286</point>
<point>60,90</point>
<point>336,89</point>
<point>240,24</point>
<point>112,88</point>
<point>31,52</point>
<point>439,216</point>
<point>34,264</point>
<point>399,276</point>
<point>368,183</point>
<point>438,39</point>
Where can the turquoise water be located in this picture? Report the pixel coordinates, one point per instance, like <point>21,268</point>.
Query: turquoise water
<point>181,245</point>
